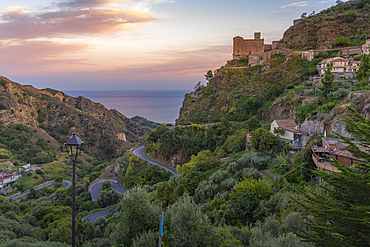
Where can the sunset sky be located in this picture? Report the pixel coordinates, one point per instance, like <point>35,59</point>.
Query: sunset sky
<point>132,44</point>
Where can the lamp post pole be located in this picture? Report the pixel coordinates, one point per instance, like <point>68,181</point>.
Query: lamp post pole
<point>73,146</point>
<point>74,203</point>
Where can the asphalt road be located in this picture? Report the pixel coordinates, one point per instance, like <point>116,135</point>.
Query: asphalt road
<point>139,152</point>
<point>96,188</point>
<point>65,183</point>
<point>92,217</point>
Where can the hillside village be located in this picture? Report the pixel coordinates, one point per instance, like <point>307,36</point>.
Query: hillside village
<point>268,153</point>
<point>343,68</point>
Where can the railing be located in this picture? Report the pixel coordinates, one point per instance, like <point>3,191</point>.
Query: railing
<point>325,166</point>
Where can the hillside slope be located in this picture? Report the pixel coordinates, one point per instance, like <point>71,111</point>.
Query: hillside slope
<point>57,115</point>
<point>239,92</point>
<point>349,19</point>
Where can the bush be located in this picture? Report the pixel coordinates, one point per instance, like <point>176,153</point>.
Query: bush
<point>349,16</point>
<point>59,179</point>
<point>342,41</point>
<point>39,172</point>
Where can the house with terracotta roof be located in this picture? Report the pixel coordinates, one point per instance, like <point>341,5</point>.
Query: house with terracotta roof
<point>292,134</point>
<point>7,178</point>
<point>334,149</point>
<point>340,68</point>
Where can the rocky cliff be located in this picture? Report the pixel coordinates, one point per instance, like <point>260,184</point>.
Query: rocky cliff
<point>56,115</point>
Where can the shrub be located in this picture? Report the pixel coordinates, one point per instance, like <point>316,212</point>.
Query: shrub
<point>59,179</point>
<point>342,41</point>
<point>20,100</point>
<point>339,94</point>
<point>257,187</point>
<point>39,172</point>
<point>2,107</point>
<point>349,16</point>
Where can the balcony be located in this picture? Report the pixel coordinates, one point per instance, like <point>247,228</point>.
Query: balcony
<point>324,165</point>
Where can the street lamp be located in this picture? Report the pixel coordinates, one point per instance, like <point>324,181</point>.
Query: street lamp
<point>73,147</point>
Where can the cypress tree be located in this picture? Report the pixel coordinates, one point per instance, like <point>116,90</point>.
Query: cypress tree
<point>327,81</point>
<point>364,69</point>
<point>342,210</point>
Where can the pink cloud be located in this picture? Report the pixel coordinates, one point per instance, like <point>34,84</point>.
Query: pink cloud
<point>175,64</point>
<point>30,57</point>
<point>84,3</point>
<point>18,24</point>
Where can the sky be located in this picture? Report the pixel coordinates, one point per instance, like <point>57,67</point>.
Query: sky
<point>132,44</point>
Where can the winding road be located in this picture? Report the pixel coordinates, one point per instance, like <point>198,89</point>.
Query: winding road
<point>65,183</point>
<point>93,216</point>
<point>95,188</point>
<point>139,152</point>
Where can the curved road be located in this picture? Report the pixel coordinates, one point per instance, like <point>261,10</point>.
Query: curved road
<point>93,216</point>
<point>95,188</point>
<point>65,183</point>
<point>139,152</point>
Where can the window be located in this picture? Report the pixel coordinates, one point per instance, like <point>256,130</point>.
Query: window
<point>237,51</point>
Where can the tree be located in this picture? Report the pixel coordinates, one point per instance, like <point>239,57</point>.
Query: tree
<point>208,75</point>
<point>198,85</point>
<point>264,140</point>
<point>342,41</point>
<point>107,197</point>
<point>135,216</point>
<point>32,193</point>
<point>327,80</point>
<point>247,208</point>
<point>343,218</point>
<point>279,132</point>
<point>106,185</point>
<point>364,69</point>
<point>304,15</point>
<point>59,179</point>
<point>188,227</point>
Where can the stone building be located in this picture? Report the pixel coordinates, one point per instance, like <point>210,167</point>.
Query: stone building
<point>242,48</point>
<point>255,50</point>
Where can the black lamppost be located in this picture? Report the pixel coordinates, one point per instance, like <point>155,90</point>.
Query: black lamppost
<point>73,146</point>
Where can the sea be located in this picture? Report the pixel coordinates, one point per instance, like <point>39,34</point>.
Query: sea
<point>161,106</point>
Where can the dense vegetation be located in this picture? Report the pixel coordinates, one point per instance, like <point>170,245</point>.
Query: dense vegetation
<point>240,93</point>
<point>345,24</point>
<point>24,145</point>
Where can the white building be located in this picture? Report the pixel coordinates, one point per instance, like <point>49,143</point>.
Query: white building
<point>292,133</point>
<point>339,65</point>
<point>7,178</point>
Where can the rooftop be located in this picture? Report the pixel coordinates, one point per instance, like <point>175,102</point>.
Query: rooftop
<point>288,124</point>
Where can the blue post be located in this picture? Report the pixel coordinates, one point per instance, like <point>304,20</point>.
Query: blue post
<point>160,229</point>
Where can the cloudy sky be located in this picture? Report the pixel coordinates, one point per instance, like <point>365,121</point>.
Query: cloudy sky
<point>132,44</point>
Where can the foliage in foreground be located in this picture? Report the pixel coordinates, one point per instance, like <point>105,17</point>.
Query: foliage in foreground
<point>343,218</point>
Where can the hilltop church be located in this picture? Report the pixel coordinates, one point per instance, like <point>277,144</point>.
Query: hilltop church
<point>252,49</point>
